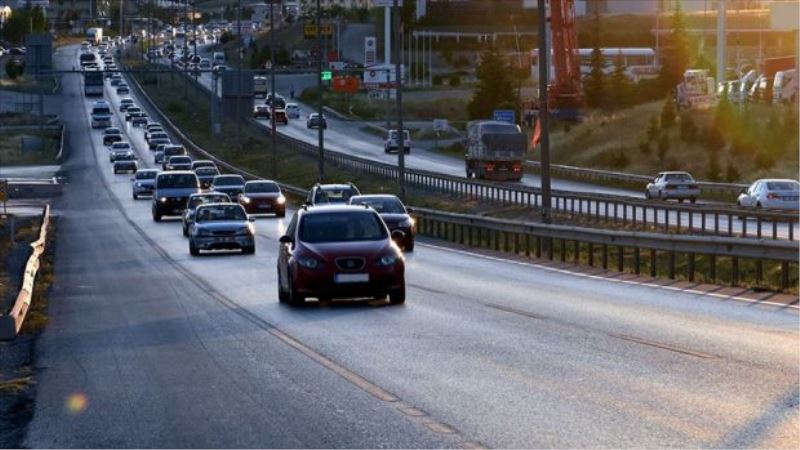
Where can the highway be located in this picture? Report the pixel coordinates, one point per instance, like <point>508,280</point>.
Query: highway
<point>149,347</point>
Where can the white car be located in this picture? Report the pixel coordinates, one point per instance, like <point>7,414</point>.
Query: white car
<point>678,185</point>
<point>772,193</point>
<point>292,110</point>
<point>391,143</point>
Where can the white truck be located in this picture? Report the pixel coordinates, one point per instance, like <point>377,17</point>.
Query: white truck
<point>785,86</point>
<point>260,86</point>
<point>94,35</point>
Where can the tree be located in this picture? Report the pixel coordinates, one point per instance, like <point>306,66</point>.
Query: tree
<point>620,86</point>
<point>494,88</point>
<point>595,82</point>
<point>652,128</point>
<point>668,113</point>
<point>676,51</point>
<point>17,26</point>
<point>38,21</point>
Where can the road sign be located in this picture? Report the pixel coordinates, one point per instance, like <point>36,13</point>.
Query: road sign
<point>327,75</point>
<point>504,115</point>
<point>310,30</point>
<point>439,124</point>
<point>370,51</point>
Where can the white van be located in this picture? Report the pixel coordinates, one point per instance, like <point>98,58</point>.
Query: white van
<point>101,114</point>
<point>218,58</point>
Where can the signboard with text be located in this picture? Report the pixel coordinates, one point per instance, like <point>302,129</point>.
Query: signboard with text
<point>504,115</point>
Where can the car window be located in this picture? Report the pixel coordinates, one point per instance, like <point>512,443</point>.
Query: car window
<point>333,195</point>
<point>120,145</point>
<point>203,199</point>
<point>205,171</point>
<point>221,212</point>
<point>147,175</point>
<point>387,205</point>
<point>679,177</point>
<point>180,159</point>
<point>783,186</point>
<point>228,181</point>
<point>178,180</point>
<point>341,227</point>
<point>261,187</point>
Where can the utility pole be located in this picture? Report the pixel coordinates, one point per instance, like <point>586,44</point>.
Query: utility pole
<point>398,73</point>
<point>239,77</point>
<point>721,40</point>
<point>320,129</point>
<point>194,30</point>
<point>272,89</point>
<point>121,19</point>
<point>543,113</point>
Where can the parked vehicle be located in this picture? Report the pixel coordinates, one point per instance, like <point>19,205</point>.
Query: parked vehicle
<point>494,150</point>
<point>785,87</point>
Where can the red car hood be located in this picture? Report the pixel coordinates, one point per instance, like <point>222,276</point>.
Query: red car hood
<point>370,250</point>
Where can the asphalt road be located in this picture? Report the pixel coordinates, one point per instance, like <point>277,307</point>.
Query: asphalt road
<point>148,346</point>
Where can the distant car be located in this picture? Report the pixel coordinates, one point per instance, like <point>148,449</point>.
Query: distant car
<point>394,214</point>
<point>321,194</point>
<point>114,154</point>
<point>204,64</point>
<point>156,133</point>
<point>233,185</point>
<point>315,121</point>
<point>126,103</point>
<point>391,143</point>
<point>339,251</point>
<point>156,142</point>
<point>280,116</point>
<point>275,101</point>
<point>111,135</point>
<point>123,89</point>
<point>675,185</point>
<point>153,127</point>
<point>158,155</point>
<point>119,147</point>
<point>116,79</point>
<point>142,182</point>
<point>206,175</point>
<point>139,119</point>
<point>263,197</point>
<point>196,200</point>
<point>171,191</point>
<point>130,111</point>
<point>221,226</point>
<point>261,112</point>
<point>196,164</point>
<point>125,162</point>
<point>772,193</point>
<point>292,110</point>
<point>171,150</point>
<point>179,163</point>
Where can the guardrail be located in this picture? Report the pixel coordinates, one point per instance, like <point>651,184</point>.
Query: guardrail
<point>538,238</point>
<point>576,244</point>
<point>597,208</point>
<point>11,323</point>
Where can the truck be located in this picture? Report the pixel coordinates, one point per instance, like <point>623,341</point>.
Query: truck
<point>260,86</point>
<point>762,89</point>
<point>696,91</point>
<point>785,87</point>
<point>93,83</point>
<point>94,35</point>
<point>494,150</point>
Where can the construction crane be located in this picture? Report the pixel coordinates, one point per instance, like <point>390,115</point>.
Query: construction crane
<point>564,92</point>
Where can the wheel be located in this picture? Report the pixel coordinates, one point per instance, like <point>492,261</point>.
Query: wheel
<point>193,250</point>
<point>185,230</point>
<point>758,205</point>
<point>397,296</point>
<point>409,247</point>
<point>647,194</point>
<point>294,298</point>
<point>680,200</point>
<point>385,149</point>
<point>408,150</point>
<point>156,216</point>
<point>135,197</point>
<point>249,250</point>
<point>283,296</point>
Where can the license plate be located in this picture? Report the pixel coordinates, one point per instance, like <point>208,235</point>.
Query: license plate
<point>351,278</point>
<point>683,188</point>
<point>266,206</point>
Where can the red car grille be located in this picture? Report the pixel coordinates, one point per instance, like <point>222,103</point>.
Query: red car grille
<point>351,263</point>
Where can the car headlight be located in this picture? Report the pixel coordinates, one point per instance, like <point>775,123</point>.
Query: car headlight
<point>138,184</point>
<point>309,263</point>
<point>387,260</point>
<point>163,199</point>
<point>281,200</point>
<point>244,199</point>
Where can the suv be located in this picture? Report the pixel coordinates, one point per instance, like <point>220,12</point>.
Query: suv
<point>391,144</point>
<point>339,251</point>
<point>322,194</point>
<point>171,191</point>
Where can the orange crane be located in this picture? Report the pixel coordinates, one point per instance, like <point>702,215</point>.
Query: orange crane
<point>565,95</point>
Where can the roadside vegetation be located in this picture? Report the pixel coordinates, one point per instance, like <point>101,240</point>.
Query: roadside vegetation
<point>12,152</point>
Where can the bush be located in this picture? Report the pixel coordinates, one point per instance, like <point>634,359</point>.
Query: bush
<point>663,147</point>
<point>652,128</point>
<point>668,113</point>
<point>455,80</point>
<point>688,129</point>
<point>437,80</point>
<point>732,172</point>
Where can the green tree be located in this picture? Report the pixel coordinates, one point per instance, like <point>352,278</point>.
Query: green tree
<point>38,21</point>
<point>668,113</point>
<point>676,51</point>
<point>620,85</point>
<point>17,26</point>
<point>732,172</point>
<point>595,82</point>
<point>494,88</point>
<point>713,169</point>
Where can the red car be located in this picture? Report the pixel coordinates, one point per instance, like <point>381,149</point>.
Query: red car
<point>280,116</point>
<point>339,251</point>
<point>263,197</point>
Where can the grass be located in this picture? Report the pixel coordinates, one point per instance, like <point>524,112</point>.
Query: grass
<point>28,84</point>
<point>12,154</point>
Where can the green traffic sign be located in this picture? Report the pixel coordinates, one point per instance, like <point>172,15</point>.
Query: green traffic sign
<point>327,75</point>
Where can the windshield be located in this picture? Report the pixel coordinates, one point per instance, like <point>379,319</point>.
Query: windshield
<point>221,212</point>
<point>384,205</point>
<point>206,171</point>
<point>149,175</point>
<point>228,181</point>
<point>177,180</point>
<point>261,187</point>
<point>341,227</point>
<point>498,128</point>
<point>180,160</point>
<point>112,131</point>
<point>170,151</point>
<point>97,110</point>
<point>120,145</point>
<point>333,195</point>
<point>202,199</point>
<point>783,186</point>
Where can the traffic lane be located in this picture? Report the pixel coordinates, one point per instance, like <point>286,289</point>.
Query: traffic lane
<point>141,355</point>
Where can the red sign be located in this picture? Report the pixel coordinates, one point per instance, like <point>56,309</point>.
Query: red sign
<point>346,83</point>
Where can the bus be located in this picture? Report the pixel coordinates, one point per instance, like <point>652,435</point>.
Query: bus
<point>93,83</point>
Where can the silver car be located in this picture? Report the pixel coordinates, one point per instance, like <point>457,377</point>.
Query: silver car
<point>221,226</point>
<point>678,185</point>
<point>196,200</point>
<point>142,182</point>
<point>773,193</point>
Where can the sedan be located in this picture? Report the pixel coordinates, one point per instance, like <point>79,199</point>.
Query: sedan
<point>773,193</point>
<point>263,197</point>
<point>339,251</point>
<point>178,163</point>
<point>261,112</point>
<point>155,142</point>
<point>123,89</point>
<point>206,175</point>
<point>139,119</point>
<point>315,120</point>
<point>142,182</point>
<point>116,79</point>
<point>125,162</point>
<point>292,110</point>
<point>233,185</point>
<point>118,148</point>
<point>203,163</point>
<point>221,226</point>
<point>196,200</point>
<point>155,134</point>
<point>394,215</point>
<point>126,103</point>
<point>111,135</point>
<point>130,110</point>
<point>677,185</point>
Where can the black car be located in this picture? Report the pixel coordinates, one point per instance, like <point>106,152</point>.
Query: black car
<point>111,135</point>
<point>233,185</point>
<point>322,194</point>
<point>171,192</point>
<point>394,215</point>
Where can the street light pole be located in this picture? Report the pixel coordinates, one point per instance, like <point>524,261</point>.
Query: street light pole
<point>272,88</point>
<point>544,52</point>
<point>398,74</point>
<point>320,130</point>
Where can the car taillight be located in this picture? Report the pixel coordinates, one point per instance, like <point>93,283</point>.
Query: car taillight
<point>517,168</point>
<point>489,167</point>
<point>772,196</point>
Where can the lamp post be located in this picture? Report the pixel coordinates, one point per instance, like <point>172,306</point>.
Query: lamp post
<point>543,113</point>
<point>320,129</point>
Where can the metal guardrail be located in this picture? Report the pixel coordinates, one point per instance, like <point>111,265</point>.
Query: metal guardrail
<point>572,243</point>
<point>599,208</point>
<point>11,323</point>
<point>472,230</point>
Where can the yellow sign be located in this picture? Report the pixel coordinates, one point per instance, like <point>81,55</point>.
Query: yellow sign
<point>310,30</point>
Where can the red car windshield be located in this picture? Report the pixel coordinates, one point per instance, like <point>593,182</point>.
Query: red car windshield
<point>341,227</point>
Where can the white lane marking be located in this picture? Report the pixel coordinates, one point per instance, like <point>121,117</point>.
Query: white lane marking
<point>602,278</point>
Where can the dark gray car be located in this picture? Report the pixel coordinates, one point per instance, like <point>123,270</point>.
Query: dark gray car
<point>171,192</point>
<point>222,226</point>
<point>233,185</point>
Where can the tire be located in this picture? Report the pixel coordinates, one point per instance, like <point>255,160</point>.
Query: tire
<point>283,296</point>
<point>680,200</point>
<point>193,250</point>
<point>135,197</point>
<point>156,216</point>
<point>280,214</point>
<point>295,299</point>
<point>408,151</point>
<point>647,195</point>
<point>758,205</point>
<point>185,231</point>
<point>397,296</point>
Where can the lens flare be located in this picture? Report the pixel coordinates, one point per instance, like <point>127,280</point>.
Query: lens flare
<point>77,403</point>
